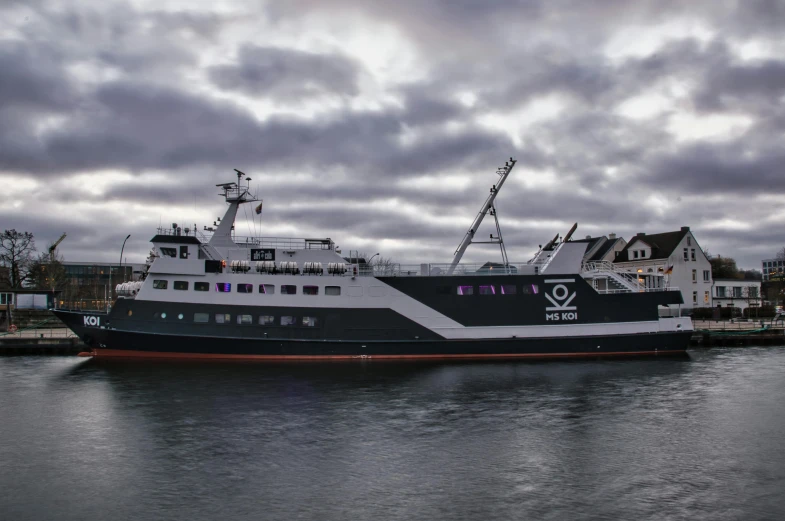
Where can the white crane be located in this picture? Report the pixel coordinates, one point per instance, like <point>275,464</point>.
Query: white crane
<point>487,207</point>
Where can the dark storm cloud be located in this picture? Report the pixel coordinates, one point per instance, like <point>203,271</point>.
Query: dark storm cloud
<point>287,74</point>
<point>89,87</point>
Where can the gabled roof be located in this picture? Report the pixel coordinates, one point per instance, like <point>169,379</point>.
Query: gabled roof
<point>604,249</point>
<point>662,244</point>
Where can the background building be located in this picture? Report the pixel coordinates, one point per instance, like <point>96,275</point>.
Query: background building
<point>678,257</point>
<point>737,293</point>
<point>772,268</point>
<point>89,285</point>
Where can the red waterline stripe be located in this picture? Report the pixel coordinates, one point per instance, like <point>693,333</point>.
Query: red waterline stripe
<point>115,353</point>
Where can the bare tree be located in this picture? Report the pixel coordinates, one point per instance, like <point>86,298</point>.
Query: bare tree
<point>781,254</point>
<point>16,254</point>
<point>45,273</point>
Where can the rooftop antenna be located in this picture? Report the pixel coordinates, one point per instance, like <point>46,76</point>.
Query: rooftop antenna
<point>487,207</point>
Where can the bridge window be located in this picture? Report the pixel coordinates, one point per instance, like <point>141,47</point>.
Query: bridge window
<point>244,288</point>
<point>509,289</point>
<point>223,287</point>
<point>267,289</point>
<point>487,290</point>
<point>287,289</point>
<point>202,318</point>
<point>168,252</point>
<point>266,320</point>
<point>160,284</point>
<point>310,321</point>
<point>223,318</point>
<point>288,321</point>
<point>465,290</point>
<point>201,286</point>
<point>181,284</point>
<point>244,319</point>
<point>332,290</point>
<point>310,290</point>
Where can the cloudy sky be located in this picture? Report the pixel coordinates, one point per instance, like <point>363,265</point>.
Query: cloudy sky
<point>381,124</point>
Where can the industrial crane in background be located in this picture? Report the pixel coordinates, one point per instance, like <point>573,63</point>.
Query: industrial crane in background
<point>53,247</point>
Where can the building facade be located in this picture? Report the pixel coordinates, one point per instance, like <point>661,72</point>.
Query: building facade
<point>772,268</point>
<point>737,293</point>
<point>678,257</point>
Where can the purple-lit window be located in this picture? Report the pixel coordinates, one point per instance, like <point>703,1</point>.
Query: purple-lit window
<point>288,289</point>
<point>245,288</point>
<point>535,289</point>
<point>267,289</point>
<point>509,289</point>
<point>487,290</point>
<point>465,290</point>
<point>223,287</point>
<point>530,289</point>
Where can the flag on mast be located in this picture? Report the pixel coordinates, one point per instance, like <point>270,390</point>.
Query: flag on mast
<point>259,209</point>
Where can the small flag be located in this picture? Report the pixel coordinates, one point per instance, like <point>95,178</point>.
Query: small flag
<point>259,209</point>
<point>669,269</point>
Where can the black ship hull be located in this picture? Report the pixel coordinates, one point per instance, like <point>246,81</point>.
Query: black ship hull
<point>136,344</point>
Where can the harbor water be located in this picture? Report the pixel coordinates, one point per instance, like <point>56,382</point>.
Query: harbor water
<point>694,437</point>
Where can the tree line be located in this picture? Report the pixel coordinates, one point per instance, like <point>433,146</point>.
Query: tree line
<point>22,266</point>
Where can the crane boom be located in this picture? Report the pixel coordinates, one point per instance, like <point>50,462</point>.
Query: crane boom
<point>487,205</point>
<point>54,246</point>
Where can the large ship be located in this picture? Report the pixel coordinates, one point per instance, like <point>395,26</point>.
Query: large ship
<point>220,296</point>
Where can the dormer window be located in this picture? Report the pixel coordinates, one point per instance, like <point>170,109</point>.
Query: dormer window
<point>634,254</point>
<point>643,253</point>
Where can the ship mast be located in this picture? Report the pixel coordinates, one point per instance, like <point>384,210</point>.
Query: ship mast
<point>487,207</point>
<point>235,194</point>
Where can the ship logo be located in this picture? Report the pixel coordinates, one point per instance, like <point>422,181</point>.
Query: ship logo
<point>92,321</point>
<point>560,297</point>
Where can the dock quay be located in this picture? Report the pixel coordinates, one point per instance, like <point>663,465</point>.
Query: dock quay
<point>737,333</point>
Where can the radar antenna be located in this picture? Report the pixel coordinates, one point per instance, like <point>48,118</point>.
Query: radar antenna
<point>487,207</point>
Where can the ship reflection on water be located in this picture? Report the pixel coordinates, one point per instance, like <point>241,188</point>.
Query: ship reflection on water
<point>656,438</point>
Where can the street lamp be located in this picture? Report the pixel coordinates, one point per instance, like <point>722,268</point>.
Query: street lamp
<point>372,256</point>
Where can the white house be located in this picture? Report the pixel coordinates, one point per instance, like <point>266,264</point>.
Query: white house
<point>678,257</point>
<point>737,293</point>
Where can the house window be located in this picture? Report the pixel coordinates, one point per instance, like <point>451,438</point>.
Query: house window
<point>705,297</point>
<point>753,292</point>
<point>201,317</point>
<point>245,288</point>
<point>223,287</point>
<point>287,289</point>
<point>465,290</point>
<point>487,290</point>
<point>266,320</point>
<point>201,286</point>
<point>332,290</point>
<point>689,241</point>
<point>706,276</point>
<point>160,284</point>
<point>692,253</point>
<point>737,292</point>
<point>267,289</point>
<point>244,319</point>
<point>694,275</point>
<point>686,254</point>
<point>643,253</point>
<point>509,289</point>
<point>181,284</point>
<point>694,297</point>
<point>288,321</point>
<point>721,291</point>
<point>223,318</point>
<point>634,254</point>
<point>310,290</point>
<point>168,252</point>
<point>310,321</point>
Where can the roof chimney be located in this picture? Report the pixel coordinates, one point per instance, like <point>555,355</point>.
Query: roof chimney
<point>611,236</point>
<point>640,234</point>
<point>588,237</point>
<point>685,228</point>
